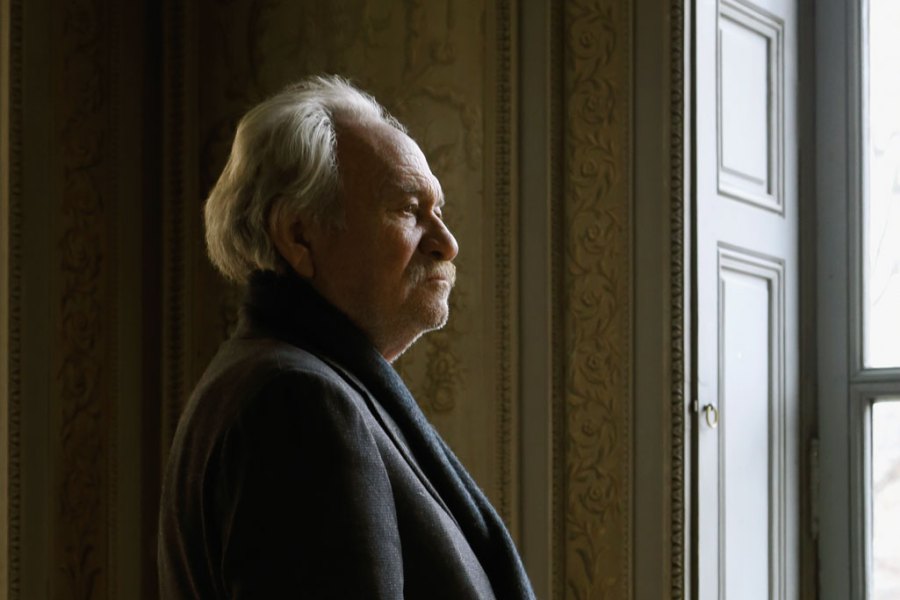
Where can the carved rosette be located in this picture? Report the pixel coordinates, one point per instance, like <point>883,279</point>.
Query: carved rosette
<point>596,286</point>
<point>82,376</point>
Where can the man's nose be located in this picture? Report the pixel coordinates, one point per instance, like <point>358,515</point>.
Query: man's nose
<point>438,242</point>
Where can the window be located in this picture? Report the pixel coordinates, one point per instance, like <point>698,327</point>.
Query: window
<point>886,500</point>
<point>882,187</point>
<point>857,250</point>
<point>881,290</point>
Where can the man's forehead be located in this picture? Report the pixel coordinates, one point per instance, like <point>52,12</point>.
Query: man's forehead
<point>375,142</point>
<point>388,158</point>
<point>418,186</point>
<point>368,134</point>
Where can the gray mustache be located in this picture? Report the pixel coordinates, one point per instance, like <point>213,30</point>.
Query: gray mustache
<point>444,270</point>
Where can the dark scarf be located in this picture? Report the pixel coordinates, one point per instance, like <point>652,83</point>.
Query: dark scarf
<point>289,308</point>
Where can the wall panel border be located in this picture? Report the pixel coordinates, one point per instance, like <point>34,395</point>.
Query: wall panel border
<point>679,327</point>
<point>11,214</point>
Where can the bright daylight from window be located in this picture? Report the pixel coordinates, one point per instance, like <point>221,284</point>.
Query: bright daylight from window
<point>882,286</point>
<point>886,500</point>
<point>882,245</point>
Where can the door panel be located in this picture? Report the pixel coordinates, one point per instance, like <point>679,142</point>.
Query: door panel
<point>750,105</point>
<point>743,477</point>
<point>751,466</point>
<point>746,278</point>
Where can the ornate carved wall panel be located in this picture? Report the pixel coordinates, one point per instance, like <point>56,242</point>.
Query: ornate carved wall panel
<point>84,316</point>
<point>444,70</point>
<point>597,270</point>
<point>74,171</point>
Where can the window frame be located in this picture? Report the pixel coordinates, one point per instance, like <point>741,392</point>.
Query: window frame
<point>846,390</point>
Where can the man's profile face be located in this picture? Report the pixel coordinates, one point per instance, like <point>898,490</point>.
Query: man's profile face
<point>389,267</point>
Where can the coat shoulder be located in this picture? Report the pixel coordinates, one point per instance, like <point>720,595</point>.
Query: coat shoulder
<point>244,370</point>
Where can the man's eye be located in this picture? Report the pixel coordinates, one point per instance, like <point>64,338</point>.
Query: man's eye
<point>412,209</point>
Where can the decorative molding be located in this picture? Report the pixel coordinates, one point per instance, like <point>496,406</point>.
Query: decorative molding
<point>557,299</point>
<point>677,329</point>
<point>113,63</point>
<point>175,302</point>
<point>503,248</point>
<point>597,299</point>
<point>82,375</point>
<point>13,516</point>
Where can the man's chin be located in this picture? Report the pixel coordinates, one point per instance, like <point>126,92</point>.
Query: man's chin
<point>435,318</point>
<point>430,310</point>
<point>431,318</point>
<point>406,332</point>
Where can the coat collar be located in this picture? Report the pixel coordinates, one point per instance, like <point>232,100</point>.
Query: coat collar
<point>289,308</point>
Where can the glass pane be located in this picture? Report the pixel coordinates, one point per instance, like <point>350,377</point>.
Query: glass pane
<point>882,233</point>
<point>886,500</point>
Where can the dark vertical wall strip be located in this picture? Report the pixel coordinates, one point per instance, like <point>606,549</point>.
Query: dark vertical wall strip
<point>173,230</point>
<point>557,294</point>
<point>503,259</point>
<point>151,266</point>
<point>13,205</point>
<point>82,365</point>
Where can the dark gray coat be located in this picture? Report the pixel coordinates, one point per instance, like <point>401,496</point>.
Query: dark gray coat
<point>302,468</point>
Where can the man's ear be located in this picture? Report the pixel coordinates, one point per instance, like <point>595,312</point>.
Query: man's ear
<point>290,240</point>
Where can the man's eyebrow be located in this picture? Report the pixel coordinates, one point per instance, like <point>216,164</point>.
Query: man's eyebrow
<point>418,190</point>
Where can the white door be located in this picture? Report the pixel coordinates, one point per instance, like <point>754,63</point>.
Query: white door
<point>746,281</point>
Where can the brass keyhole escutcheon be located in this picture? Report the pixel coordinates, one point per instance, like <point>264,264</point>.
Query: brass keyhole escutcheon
<point>712,416</point>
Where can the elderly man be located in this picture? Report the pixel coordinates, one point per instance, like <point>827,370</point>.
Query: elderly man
<point>302,466</point>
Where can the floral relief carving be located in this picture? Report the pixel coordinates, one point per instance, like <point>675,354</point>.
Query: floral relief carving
<point>82,376</point>
<point>596,300</point>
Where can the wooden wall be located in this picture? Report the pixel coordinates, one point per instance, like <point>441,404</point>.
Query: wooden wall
<point>116,119</point>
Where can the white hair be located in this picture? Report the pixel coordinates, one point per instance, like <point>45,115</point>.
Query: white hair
<point>283,164</point>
